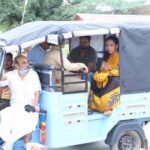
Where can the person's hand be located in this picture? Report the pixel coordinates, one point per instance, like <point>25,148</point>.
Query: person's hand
<point>83,67</point>
<point>105,67</point>
<point>102,66</point>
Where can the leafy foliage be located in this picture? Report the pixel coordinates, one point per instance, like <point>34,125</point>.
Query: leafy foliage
<point>41,9</point>
<point>95,6</point>
<point>11,10</point>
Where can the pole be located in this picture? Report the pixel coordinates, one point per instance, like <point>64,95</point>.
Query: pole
<point>24,11</point>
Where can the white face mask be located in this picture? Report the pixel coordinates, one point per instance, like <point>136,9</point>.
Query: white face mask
<point>23,71</point>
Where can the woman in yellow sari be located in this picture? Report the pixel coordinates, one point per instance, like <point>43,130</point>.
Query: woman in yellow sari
<point>106,93</point>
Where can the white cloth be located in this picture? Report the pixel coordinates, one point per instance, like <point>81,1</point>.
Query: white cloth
<point>147,132</point>
<point>15,122</point>
<point>22,91</point>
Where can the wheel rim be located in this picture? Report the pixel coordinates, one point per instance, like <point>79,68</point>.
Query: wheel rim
<point>126,142</point>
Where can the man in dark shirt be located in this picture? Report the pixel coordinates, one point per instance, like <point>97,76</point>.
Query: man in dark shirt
<point>84,53</point>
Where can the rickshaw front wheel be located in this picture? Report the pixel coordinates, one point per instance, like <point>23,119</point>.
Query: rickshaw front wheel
<point>127,140</point>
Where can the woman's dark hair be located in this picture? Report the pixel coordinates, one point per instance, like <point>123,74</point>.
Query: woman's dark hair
<point>115,40</point>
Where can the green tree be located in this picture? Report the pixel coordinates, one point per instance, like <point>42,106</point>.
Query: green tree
<point>41,9</point>
<point>95,6</point>
<point>10,11</point>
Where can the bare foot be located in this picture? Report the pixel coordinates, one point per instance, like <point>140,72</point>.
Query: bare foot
<point>108,112</point>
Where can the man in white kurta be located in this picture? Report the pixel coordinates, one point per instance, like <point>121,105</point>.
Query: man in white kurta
<point>53,57</point>
<point>25,87</point>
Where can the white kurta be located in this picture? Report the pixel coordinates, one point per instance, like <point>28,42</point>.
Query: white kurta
<point>53,57</point>
<point>147,133</point>
<point>15,121</point>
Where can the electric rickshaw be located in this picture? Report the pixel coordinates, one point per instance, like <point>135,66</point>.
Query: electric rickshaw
<point>68,120</point>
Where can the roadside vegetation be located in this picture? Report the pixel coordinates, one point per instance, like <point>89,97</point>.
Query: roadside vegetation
<point>12,10</point>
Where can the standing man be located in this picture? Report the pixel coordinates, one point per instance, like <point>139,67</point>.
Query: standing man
<point>38,52</point>
<point>5,93</point>
<point>25,90</point>
<point>84,53</point>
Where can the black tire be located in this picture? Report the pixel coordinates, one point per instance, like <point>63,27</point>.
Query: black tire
<point>127,140</point>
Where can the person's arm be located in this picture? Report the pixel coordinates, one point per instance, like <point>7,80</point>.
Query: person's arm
<point>75,66</point>
<point>36,100</point>
<point>92,60</point>
<point>91,66</point>
<point>70,66</point>
<point>105,66</point>
<point>37,91</point>
<point>114,72</point>
<point>4,80</point>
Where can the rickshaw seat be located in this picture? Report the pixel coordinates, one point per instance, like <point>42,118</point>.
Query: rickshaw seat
<point>46,74</point>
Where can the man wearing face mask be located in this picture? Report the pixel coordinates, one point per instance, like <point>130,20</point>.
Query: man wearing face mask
<point>25,90</point>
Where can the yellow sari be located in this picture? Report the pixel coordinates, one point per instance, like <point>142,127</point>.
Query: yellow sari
<point>109,100</point>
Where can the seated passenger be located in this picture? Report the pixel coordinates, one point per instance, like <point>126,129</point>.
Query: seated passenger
<point>53,57</point>
<point>105,91</point>
<point>15,121</point>
<point>5,91</point>
<point>84,53</point>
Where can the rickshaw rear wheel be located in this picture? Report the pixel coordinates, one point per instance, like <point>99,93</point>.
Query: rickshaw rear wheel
<point>127,140</point>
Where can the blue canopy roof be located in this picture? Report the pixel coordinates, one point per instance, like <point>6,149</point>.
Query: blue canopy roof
<point>33,30</point>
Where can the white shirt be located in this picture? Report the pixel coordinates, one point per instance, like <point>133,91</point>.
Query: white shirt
<point>22,91</point>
